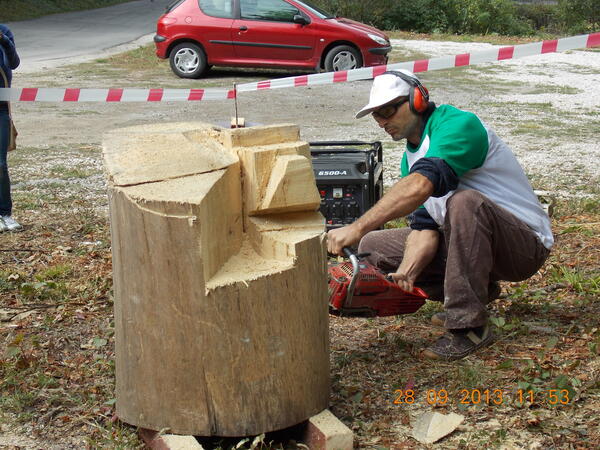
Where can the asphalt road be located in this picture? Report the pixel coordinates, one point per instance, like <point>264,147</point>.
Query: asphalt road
<point>66,38</point>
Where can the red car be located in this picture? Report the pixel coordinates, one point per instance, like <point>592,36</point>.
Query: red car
<point>291,34</point>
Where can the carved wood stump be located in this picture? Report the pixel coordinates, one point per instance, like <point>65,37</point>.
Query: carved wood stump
<point>220,285</point>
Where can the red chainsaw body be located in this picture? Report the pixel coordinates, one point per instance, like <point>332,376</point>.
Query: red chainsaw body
<point>374,295</point>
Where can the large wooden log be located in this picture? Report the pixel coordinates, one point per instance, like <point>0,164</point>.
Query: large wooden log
<point>220,283</point>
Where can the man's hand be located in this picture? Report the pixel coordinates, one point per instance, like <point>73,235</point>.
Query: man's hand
<point>403,280</point>
<point>421,247</point>
<point>339,238</point>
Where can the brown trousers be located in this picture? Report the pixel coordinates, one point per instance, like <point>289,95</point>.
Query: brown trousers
<point>482,243</point>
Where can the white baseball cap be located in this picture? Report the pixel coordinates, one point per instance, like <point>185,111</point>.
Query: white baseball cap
<point>386,88</point>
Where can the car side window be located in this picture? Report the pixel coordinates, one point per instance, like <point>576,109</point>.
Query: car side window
<point>217,8</point>
<point>274,10</point>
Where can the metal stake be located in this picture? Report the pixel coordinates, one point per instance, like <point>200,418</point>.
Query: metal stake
<point>236,104</point>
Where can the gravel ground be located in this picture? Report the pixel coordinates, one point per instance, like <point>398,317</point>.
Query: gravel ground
<point>546,107</point>
<point>576,69</point>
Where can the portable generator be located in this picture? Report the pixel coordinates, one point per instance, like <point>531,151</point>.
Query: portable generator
<point>349,177</point>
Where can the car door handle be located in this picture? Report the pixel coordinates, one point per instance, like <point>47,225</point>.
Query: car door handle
<point>243,28</point>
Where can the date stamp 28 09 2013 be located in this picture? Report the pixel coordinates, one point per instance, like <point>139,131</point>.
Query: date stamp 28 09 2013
<point>489,397</point>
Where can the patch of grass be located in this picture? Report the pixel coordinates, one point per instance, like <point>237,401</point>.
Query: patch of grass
<point>584,70</point>
<point>69,113</point>
<point>31,200</point>
<point>462,79</point>
<point>528,127</point>
<point>576,279</point>
<point>491,69</point>
<point>541,108</point>
<point>51,185</point>
<point>66,173</point>
<point>142,58</point>
<point>547,127</point>
<point>44,291</point>
<point>400,54</point>
<point>109,434</point>
<point>427,310</point>
<point>469,376</point>
<point>57,272</point>
<point>553,89</point>
<point>22,155</point>
<point>567,208</point>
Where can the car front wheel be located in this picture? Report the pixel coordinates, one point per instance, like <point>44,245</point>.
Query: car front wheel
<point>188,60</point>
<point>342,57</point>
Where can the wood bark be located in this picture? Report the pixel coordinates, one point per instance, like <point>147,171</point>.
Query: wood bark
<point>220,285</point>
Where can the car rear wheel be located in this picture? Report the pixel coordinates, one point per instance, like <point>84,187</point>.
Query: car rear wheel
<point>188,60</point>
<point>342,57</point>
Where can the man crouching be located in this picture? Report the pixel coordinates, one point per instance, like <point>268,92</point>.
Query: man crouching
<point>474,218</point>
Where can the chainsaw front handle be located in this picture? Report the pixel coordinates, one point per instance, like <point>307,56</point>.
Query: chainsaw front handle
<point>355,271</point>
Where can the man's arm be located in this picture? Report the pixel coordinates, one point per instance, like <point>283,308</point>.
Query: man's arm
<point>421,247</point>
<point>402,199</point>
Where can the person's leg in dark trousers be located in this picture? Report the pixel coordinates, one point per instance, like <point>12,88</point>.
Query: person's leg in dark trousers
<point>484,243</point>
<point>5,197</point>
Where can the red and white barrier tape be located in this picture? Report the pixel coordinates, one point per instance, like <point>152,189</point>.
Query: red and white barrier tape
<point>178,95</point>
<point>113,95</point>
<point>444,62</point>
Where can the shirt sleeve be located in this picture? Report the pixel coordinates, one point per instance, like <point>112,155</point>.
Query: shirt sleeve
<point>8,44</point>
<point>421,220</point>
<point>439,173</point>
<point>461,141</point>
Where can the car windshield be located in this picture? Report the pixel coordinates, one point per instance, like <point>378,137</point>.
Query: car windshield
<point>315,10</point>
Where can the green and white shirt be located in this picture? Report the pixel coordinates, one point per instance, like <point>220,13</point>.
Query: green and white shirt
<point>481,161</point>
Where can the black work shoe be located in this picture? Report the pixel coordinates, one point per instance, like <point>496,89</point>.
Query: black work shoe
<point>439,319</point>
<point>456,344</point>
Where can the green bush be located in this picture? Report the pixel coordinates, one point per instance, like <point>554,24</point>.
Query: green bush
<point>540,16</point>
<point>580,16</point>
<point>471,16</point>
<point>422,16</point>
<point>373,12</point>
<point>484,17</point>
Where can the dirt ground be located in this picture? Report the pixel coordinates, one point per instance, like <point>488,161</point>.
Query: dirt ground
<point>56,343</point>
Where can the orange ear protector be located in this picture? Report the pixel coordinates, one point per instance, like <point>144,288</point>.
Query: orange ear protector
<point>418,97</point>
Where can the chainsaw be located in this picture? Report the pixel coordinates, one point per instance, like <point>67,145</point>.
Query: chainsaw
<point>357,288</point>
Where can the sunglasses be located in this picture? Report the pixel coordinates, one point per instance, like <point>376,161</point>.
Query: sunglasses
<point>387,111</point>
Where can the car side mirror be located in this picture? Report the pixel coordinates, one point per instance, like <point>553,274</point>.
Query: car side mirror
<point>299,18</point>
